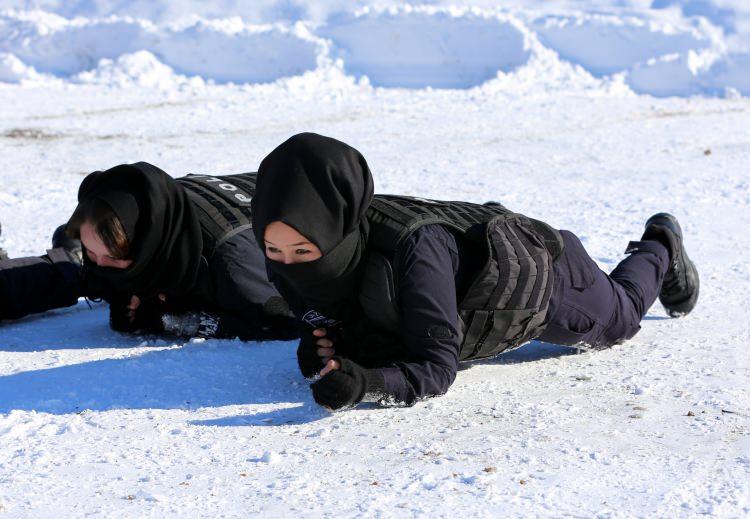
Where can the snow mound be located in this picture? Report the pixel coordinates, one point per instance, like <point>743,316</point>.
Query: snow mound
<point>140,68</point>
<point>415,48</point>
<point>13,70</point>
<point>546,72</point>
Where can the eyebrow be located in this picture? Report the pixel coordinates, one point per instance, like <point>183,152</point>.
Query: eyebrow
<point>291,245</point>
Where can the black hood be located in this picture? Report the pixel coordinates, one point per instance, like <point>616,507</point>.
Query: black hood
<point>323,188</point>
<point>163,230</point>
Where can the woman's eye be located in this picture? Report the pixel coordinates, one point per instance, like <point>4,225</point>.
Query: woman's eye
<point>272,250</point>
<point>302,251</point>
<point>91,255</point>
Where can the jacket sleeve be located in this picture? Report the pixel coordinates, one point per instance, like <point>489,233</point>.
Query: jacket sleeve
<point>426,268</point>
<point>36,284</point>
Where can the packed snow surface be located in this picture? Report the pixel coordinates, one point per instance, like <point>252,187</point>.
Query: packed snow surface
<point>518,103</point>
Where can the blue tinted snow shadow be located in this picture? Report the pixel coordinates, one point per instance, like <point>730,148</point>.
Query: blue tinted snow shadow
<point>75,328</point>
<point>299,414</point>
<point>533,351</point>
<point>209,374</point>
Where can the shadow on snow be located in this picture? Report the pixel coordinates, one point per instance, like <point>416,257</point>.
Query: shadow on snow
<point>190,376</point>
<point>298,414</point>
<point>76,328</point>
<point>530,352</point>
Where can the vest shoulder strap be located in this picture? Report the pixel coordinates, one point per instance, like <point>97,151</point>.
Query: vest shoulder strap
<point>393,217</point>
<point>222,204</point>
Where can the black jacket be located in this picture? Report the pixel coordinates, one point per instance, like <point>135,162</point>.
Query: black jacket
<point>423,361</point>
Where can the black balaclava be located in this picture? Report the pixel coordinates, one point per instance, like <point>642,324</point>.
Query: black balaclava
<point>323,188</point>
<point>163,230</point>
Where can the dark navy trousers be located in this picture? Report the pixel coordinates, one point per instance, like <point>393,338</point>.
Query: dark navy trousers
<point>592,308</point>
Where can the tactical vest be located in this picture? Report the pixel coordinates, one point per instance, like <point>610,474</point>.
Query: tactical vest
<point>506,302</point>
<point>222,204</point>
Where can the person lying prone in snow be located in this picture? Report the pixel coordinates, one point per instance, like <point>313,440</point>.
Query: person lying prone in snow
<point>396,291</point>
<point>167,255</point>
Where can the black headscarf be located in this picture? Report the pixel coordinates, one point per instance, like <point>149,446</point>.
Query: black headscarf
<point>323,188</point>
<point>163,230</point>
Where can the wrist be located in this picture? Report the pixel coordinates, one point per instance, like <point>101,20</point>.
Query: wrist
<point>374,382</point>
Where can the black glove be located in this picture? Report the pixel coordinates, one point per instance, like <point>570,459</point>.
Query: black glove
<point>347,386</point>
<point>307,356</point>
<point>147,317</point>
<point>119,320</point>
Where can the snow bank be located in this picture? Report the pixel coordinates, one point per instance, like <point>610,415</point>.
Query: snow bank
<point>605,45</point>
<point>223,51</point>
<point>417,48</point>
<point>670,51</point>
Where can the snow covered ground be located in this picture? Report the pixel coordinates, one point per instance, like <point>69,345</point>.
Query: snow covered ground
<point>538,116</point>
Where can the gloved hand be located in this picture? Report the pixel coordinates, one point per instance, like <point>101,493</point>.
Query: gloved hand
<point>191,324</point>
<point>119,320</point>
<point>347,385</point>
<point>309,357</point>
<point>145,318</point>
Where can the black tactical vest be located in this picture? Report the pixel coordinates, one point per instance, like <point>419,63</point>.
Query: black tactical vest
<point>506,302</point>
<point>222,204</point>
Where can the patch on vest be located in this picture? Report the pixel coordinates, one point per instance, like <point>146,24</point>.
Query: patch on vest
<point>224,188</point>
<point>439,332</point>
<point>317,320</point>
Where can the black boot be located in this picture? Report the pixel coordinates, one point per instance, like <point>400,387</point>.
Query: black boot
<point>3,254</point>
<point>679,291</point>
<point>71,245</point>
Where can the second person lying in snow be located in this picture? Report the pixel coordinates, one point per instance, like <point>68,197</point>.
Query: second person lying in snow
<point>176,255</point>
<point>398,290</point>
